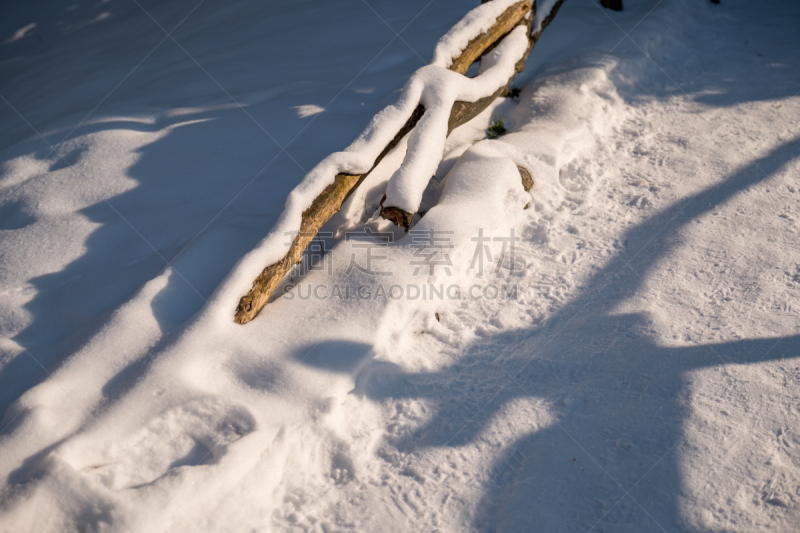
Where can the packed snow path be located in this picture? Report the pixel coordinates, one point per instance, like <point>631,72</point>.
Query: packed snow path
<point>645,378</point>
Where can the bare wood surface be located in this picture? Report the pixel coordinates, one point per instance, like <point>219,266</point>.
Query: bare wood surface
<point>527,179</point>
<point>318,213</point>
<point>331,199</point>
<point>463,112</point>
<point>507,21</point>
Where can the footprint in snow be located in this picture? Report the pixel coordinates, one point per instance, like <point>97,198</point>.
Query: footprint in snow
<point>195,433</point>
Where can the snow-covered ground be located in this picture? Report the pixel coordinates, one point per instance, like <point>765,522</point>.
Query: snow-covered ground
<point>642,374</point>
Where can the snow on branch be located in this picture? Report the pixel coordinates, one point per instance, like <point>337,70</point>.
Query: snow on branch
<point>436,99</point>
<point>437,89</point>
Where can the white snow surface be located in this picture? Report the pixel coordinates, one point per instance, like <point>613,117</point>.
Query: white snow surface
<point>438,89</point>
<point>433,86</point>
<point>642,376</point>
<point>543,9</point>
<point>477,21</point>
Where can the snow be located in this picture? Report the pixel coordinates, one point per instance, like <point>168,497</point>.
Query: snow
<point>474,23</point>
<point>20,33</point>
<point>433,86</point>
<point>543,9</point>
<point>643,378</point>
<point>426,141</point>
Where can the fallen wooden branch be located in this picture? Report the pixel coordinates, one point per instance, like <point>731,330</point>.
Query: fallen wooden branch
<point>463,112</point>
<point>318,213</point>
<point>527,179</point>
<point>328,203</point>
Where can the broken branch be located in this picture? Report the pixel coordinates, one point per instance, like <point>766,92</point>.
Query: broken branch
<point>334,195</point>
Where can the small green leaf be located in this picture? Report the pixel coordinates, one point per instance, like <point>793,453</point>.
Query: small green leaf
<point>496,128</point>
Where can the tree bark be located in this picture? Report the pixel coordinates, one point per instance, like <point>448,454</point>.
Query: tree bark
<point>331,199</point>
<point>463,112</point>
<point>527,179</point>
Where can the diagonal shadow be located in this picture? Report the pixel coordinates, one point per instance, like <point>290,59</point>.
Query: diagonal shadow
<point>631,391</point>
<point>186,178</point>
<point>174,198</point>
<point>617,393</point>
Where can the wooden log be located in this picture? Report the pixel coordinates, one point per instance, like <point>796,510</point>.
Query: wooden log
<point>396,216</point>
<point>527,179</point>
<point>334,195</point>
<point>463,112</point>
<point>485,42</point>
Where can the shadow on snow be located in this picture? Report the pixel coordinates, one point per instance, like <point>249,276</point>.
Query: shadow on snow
<point>619,396</point>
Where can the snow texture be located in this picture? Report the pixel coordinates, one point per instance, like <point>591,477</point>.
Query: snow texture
<point>476,22</point>
<point>643,376</point>
<point>438,89</point>
<point>543,9</point>
<point>433,86</point>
